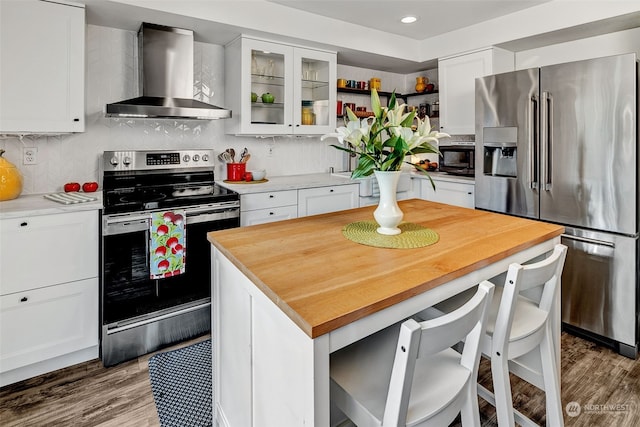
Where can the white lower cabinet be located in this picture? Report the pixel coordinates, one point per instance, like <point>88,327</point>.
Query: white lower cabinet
<point>261,216</point>
<point>271,206</point>
<point>259,208</point>
<point>45,323</point>
<point>313,201</point>
<point>451,193</point>
<point>48,293</point>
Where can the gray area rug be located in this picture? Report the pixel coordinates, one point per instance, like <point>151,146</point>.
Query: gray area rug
<point>181,381</point>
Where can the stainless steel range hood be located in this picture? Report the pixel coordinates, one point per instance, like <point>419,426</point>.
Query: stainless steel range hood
<point>166,79</point>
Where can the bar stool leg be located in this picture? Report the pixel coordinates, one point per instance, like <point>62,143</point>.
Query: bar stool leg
<point>502,390</point>
<point>551,382</point>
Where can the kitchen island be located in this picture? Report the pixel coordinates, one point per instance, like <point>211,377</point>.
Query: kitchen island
<point>287,294</point>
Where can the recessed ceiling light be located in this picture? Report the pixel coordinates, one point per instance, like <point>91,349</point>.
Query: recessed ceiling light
<point>408,19</point>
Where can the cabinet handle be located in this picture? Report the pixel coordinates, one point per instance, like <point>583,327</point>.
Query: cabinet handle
<point>76,119</point>
<point>24,224</point>
<point>298,125</point>
<point>331,191</point>
<point>271,213</point>
<point>23,299</point>
<point>271,196</point>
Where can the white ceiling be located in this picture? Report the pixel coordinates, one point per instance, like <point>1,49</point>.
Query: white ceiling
<point>368,34</point>
<point>435,17</point>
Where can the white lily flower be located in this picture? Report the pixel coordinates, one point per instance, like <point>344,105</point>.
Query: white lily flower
<point>369,137</point>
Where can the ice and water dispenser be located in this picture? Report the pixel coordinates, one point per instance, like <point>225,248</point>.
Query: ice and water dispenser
<point>500,145</point>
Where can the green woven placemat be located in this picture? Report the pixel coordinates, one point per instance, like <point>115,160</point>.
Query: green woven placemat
<point>412,236</point>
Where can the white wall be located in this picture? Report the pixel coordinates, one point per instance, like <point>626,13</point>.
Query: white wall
<point>593,47</point>
<point>111,76</point>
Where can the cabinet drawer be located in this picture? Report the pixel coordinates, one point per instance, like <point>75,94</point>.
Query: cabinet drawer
<point>45,323</point>
<point>40,251</point>
<point>271,199</point>
<point>314,201</point>
<point>262,216</point>
<point>452,193</point>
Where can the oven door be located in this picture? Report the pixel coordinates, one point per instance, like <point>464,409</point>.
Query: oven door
<point>128,293</point>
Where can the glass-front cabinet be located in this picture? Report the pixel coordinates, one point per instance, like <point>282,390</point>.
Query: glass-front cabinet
<point>279,89</point>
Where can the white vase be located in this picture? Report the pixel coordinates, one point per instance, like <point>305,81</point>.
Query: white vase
<point>388,215</point>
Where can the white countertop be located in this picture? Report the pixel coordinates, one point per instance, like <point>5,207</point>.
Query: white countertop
<point>36,204</point>
<point>443,176</point>
<point>288,182</point>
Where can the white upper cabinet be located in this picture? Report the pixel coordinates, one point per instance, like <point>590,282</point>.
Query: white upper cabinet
<point>456,77</point>
<point>41,67</point>
<point>300,83</point>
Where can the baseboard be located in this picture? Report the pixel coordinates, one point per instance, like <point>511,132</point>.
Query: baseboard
<point>49,365</point>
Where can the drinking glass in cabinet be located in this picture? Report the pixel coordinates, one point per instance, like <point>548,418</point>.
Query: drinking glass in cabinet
<point>267,82</point>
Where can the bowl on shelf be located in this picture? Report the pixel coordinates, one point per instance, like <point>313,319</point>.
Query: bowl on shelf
<point>259,175</point>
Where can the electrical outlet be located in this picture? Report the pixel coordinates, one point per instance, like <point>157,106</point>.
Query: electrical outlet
<point>270,150</point>
<point>30,155</point>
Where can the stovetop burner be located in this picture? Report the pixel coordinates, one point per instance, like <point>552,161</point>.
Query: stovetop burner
<point>141,195</point>
<point>142,180</point>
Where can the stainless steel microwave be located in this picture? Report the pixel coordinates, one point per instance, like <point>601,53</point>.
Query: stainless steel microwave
<point>458,158</point>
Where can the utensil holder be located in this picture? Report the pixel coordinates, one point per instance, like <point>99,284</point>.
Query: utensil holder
<point>236,171</point>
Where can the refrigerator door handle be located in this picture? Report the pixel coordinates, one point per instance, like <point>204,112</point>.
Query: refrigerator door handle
<point>546,139</point>
<point>589,241</point>
<point>533,143</point>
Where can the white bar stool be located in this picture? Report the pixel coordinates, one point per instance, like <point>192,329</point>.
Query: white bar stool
<point>407,374</point>
<point>519,337</point>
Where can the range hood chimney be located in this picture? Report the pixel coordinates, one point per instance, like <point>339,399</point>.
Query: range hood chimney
<point>166,79</point>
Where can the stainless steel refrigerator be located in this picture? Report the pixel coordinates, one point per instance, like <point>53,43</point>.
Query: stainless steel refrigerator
<point>560,144</point>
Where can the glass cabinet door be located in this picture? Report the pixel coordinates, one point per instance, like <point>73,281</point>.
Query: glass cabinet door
<point>279,89</point>
<point>315,91</point>
<point>271,94</point>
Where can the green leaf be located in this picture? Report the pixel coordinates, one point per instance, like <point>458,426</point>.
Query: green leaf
<point>392,101</point>
<point>408,121</point>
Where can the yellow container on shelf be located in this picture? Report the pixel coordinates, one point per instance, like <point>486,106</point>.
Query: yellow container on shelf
<point>308,117</point>
<point>342,83</point>
<point>375,83</point>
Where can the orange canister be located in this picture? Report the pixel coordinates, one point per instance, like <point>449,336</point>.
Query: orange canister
<point>342,83</point>
<point>375,83</point>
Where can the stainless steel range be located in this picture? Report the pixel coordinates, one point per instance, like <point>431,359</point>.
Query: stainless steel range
<point>140,312</point>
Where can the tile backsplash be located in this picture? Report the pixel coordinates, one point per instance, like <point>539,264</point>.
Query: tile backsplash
<point>111,76</point>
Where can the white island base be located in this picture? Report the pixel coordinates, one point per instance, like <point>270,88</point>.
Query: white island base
<point>269,372</point>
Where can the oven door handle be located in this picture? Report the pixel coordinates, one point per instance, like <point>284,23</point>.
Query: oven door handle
<point>212,215</point>
<point>209,208</point>
<point>122,225</point>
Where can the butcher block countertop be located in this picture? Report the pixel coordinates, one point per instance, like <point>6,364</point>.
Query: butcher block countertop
<point>324,281</point>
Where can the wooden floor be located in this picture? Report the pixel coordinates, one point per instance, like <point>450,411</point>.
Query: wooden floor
<point>91,395</point>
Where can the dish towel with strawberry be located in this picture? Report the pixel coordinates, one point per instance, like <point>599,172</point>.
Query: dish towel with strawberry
<point>167,244</point>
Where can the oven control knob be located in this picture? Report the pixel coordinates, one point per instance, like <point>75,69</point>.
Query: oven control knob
<point>114,161</point>
<point>186,158</point>
<point>196,157</point>
<point>205,157</point>
<point>126,161</point>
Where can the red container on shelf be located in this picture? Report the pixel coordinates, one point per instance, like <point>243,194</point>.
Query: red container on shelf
<point>339,108</point>
<point>236,171</point>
